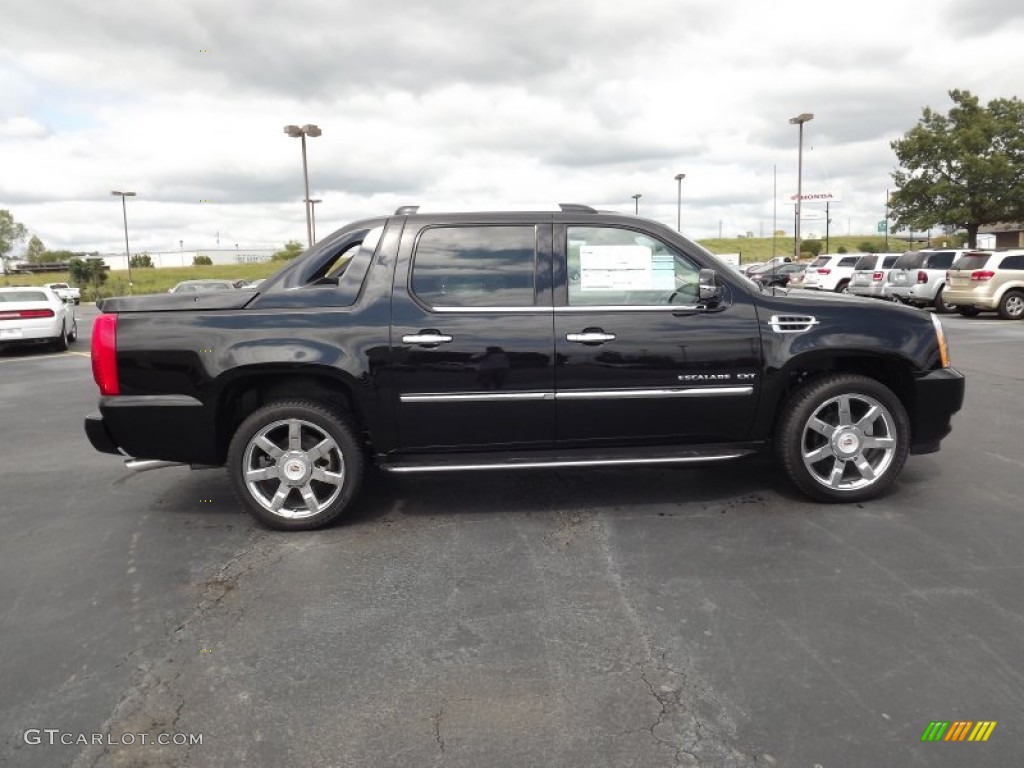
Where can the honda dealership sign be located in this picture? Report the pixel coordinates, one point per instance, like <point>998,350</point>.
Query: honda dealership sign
<point>817,197</point>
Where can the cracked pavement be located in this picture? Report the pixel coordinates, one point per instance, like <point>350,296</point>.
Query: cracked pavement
<point>614,618</point>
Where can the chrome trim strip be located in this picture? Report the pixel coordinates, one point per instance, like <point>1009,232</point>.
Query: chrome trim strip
<point>579,308</point>
<point>464,310</point>
<point>630,308</point>
<point>475,397</point>
<point>624,394</point>
<point>556,463</point>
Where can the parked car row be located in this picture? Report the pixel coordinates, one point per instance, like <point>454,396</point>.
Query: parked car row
<point>968,281</point>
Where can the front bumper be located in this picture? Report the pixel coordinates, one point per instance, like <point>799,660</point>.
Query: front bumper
<point>937,396</point>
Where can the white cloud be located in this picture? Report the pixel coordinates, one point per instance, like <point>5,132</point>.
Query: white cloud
<point>467,104</point>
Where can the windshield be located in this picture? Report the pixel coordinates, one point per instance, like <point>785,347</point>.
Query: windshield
<point>821,261</point>
<point>23,296</point>
<point>866,262</point>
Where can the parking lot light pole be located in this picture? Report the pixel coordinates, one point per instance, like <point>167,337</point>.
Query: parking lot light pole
<point>636,203</point>
<point>306,130</point>
<point>679,201</point>
<point>312,211</point>
<point>799,120</point>
<point>124,210</point>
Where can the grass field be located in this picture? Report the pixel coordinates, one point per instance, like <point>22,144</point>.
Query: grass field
<point>153,280</point>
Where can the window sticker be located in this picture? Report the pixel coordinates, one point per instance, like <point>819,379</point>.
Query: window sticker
<point>625,268</point>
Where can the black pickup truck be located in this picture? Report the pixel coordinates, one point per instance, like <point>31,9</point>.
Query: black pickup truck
<point>471,341</point>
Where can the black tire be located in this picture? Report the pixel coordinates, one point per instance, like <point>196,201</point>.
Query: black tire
<point>812,424</point>
<point>316,423</point>
<point>60,343</point>
<point>941,307</point>
<point>1011,306</point>
<point>73,336</point>
<point>966,310</point>
<point>843,287</point>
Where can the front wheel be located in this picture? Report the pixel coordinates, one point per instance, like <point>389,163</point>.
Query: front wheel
<point>1011,306</point>
<point>843,438</point>
<point>295,464</point>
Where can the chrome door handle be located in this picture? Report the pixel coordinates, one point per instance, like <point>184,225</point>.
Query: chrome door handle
<point>590,337</point>
<point>426,337</point>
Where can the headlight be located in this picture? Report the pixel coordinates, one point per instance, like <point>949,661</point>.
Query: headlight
<point>940,336</point>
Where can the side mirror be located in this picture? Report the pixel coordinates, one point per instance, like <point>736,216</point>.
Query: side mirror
<point>709,291</point>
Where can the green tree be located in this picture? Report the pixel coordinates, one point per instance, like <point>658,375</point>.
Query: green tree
<point>11,233</point>
<point>201,261</point>
<point>965,168</point>
<point>52,257</point>
<point>812,247</point>
<point>88,273</point>
<point>140,260</point>
<point>291,249</point>
<point>36,251</point>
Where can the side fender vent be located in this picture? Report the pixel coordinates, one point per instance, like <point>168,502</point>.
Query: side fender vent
<point>793,323</point>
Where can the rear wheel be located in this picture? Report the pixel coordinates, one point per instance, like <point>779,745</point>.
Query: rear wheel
<point>295,464</point>
<point>73,336</point>
<point>60,343</point>
<point>968,311</point>
<point>1011,306</point>
<point>941,307</point>
<point>843,287</point>
<point>843,438</point>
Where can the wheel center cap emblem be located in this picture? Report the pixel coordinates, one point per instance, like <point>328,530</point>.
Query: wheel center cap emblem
<point>294,469</point>
<point>848,443</point>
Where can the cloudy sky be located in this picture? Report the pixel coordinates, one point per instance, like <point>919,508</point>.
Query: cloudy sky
<point>469,104</point>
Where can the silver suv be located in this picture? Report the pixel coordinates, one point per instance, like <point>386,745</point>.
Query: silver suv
<point>919,277</point>
<point>869,274</point>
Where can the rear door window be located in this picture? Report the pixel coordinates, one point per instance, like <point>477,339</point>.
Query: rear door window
<point>940,260</point>
<point>847,261</point>
<point>888,261</point>
<point>478,266</point>
<point>1013,262</point>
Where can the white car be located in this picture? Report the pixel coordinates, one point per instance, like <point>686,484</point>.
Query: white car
<point>831,272</point>
<point>34,314</point>
<point>65,291</point>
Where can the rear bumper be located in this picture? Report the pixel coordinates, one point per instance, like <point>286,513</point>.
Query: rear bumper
<point>168,427</point>
<point>937,396</point>
<point>874,290</point>
<point>970,298</point>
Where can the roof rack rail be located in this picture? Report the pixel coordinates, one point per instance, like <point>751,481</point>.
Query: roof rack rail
<point>576,208</point>
<point>406,210</point>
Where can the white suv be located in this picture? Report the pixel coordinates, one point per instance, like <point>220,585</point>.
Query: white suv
<point>831,272</point>
<point>870,273</point>
<point>919,277</point>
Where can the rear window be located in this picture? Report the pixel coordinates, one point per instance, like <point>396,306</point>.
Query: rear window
<point>909,260</point>
<point>866,262</point>
<point>13,296</point>
<point>971,261</point>
<point>821,261</point>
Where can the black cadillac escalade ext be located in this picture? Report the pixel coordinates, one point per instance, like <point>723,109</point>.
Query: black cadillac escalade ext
<point>438,342</point>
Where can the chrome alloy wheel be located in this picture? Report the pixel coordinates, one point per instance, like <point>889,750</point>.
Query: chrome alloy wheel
<point>293,469</point>
<point>849,442</point>
<point>1015,305</point>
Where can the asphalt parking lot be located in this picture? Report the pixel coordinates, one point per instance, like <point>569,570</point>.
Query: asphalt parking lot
<point>709,617</point>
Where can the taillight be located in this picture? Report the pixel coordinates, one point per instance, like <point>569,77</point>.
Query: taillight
<point>922,276</point>
<point>27,314</point>
<point>980,275</point>
<point>104,354</point>
<point>876,276</point>
<point>824,271</point>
